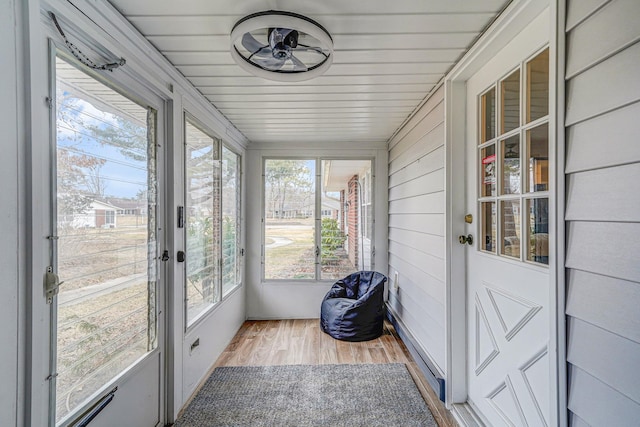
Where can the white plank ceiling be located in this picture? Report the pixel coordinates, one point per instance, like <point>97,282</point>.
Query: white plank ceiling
<point>389,55</point>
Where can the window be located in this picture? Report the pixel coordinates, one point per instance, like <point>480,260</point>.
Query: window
<point>316,215</point>
<point>513,164</point>
<point>202,221</point>
<point>230,220</point>
<point>212,221</point>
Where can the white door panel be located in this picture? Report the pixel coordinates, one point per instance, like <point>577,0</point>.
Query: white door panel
<point>507,294</point>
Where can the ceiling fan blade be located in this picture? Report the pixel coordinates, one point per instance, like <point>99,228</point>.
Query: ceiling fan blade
<point>303,48</point>
<point>251,44</point>
<point>270,63</point>
<point>263,52</point>
<point>297,64</point>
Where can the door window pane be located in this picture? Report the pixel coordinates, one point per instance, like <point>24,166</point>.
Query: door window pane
<point>538,86</point>
<point>230,220</point>
<point>488,215</point>
<point>202,222</point>
<point>488,170</point>
<point>510,228</point>
<point>488,116</point>
<point>510,102</point>
<point>538,154</point>
<point>538,230</point>
<point>510,153</point>
<point>106,247</point>
<point>289,229</point>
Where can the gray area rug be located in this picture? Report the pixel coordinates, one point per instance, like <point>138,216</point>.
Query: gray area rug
<point>308,395</point>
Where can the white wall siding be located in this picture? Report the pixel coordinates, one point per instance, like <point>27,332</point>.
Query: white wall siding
<point>416,227</point>
<point>603,211</point>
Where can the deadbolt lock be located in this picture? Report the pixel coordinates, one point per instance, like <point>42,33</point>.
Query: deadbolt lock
<point>468,218</point>
<point>468,239</point>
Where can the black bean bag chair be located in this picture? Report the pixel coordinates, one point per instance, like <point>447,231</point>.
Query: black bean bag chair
<point>353,309</point>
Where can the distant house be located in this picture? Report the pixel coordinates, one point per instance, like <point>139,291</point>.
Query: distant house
<point>98,215</point>
<point>127,206</point>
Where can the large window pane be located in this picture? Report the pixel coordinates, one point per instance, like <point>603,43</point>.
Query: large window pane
<point>230,220</point>
<point>202,223</point>
<point>488,116</point>
<point>538,154</point>
<point>538,86</point>
<point>510,102</point>
<point>347,217</point>
<point>488,170</point>
<point>489,230</point>
<point>538,230</point>
<point>510,155</point>
<point>510,228</point>
<point>289,229</point>
<point>106,247</point>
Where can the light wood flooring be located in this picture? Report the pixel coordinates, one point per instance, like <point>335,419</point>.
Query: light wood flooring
<point>300,341</point>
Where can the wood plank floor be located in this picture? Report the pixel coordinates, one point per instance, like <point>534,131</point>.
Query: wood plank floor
<point>300,341</point>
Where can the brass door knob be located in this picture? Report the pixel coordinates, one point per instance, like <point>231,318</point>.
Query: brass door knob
<point>468,239</point>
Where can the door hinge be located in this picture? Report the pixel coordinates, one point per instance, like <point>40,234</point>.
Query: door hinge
<point>51,284</point>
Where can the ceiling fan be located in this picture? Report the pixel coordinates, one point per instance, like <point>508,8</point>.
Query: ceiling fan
<point>283,46</point>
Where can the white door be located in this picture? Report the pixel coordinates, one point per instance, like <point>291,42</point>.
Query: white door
<point>106,357</point>
<point>507,275</point>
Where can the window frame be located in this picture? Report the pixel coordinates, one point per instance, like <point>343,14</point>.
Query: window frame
<point>318,159</point>
<point>190,118</point>
<point>238,198</point>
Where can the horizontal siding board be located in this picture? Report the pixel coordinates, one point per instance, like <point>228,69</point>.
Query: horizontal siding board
<point>584,188</point>
<point>422,305</point>
<point>618,130</point>
<point>597,403</point>
<point>428,203</point>
<point>424,146</point>
<point>610,249</point>
<point>423,223</point>
<point>425,126</point>
<point>429,264</point>
<point>419,167</point>
<point>429,340</point>
<point>607,302</point>
<point>416,226</point>
<point>427,307</point>
<point>579,10</point>
<point>426,243</point>
<point>426,184</point>
<point>429,284</point>
<point>588,96</point>
<point>593,350</point>
<point>585,44</point>
<point>434,100</point>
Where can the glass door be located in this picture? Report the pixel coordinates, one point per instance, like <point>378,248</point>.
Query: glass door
<point>105,243</point>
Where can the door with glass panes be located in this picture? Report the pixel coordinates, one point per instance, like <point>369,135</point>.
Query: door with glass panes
<point>106,358</point>
<point>507,234</point>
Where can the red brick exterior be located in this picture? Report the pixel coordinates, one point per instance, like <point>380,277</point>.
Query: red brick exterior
<point>352,220</point>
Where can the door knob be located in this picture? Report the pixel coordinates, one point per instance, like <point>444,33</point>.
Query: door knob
<point>468,239</point>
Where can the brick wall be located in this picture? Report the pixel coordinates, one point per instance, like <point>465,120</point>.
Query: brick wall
<point>352,220</point>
